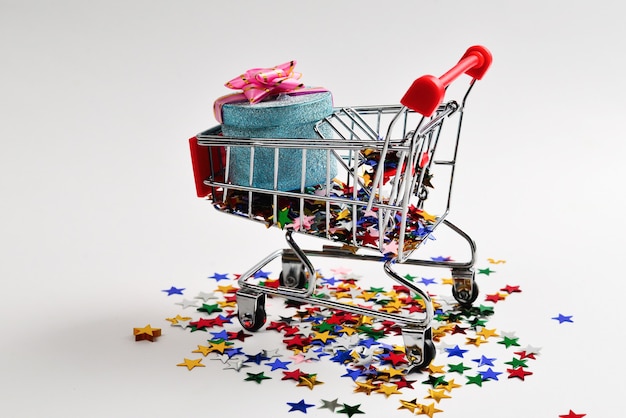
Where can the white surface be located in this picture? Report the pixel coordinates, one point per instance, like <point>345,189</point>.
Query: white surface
<point>99,210</point>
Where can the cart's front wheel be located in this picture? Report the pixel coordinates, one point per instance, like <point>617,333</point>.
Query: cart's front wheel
<point>428,355</point>
<point>253,322</point>
<point>251,314</point>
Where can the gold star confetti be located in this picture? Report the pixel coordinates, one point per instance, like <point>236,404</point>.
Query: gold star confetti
<point>435,369</point>
<point>429,410</point>
<point>437,395</point>
<point>178,318</point>
<point>410,405</point>
<point>146,333</point>
<point>388,390</point>
<point>475,341</point>
<point>449,386</point>
<point>365,387</point>
<point>309,381</point>
<point>486,333</point>
<point>202,349</point>
<point>191,363</point>
<point>391,372</point>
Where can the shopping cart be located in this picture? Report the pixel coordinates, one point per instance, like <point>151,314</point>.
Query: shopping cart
<point>380,205</point>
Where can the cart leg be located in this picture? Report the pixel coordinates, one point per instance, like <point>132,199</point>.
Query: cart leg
<point>464,289</point>
<point>251,309</point>
<point>419,347</point>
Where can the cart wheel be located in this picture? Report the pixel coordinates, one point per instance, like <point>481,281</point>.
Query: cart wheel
<point>427,357</point>
<point>253,321</point>
<point>429,353</point>
<point>293,278</point>
<point>465,297</point>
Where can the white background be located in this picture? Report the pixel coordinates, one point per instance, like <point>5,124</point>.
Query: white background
<point>99,214</point>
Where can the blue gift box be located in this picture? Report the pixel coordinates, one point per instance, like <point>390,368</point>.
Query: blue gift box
<point>291,117</point>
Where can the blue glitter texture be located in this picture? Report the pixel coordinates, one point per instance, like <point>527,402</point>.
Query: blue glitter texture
<point>286,117</point>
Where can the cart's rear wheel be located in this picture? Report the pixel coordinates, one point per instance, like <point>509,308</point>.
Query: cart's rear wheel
<point>466,297</point>
<point>292,278</point>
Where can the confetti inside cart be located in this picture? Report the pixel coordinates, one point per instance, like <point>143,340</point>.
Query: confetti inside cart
<point>386,192</point>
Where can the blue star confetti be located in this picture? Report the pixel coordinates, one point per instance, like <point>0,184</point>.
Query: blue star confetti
<point>299,406</point>
<point>563,318</point>
<point>173,291</point>
<point>219,277</point>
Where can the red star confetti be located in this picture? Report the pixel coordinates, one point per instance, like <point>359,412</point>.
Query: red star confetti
<point>572,414</point>
<point>520,373</point>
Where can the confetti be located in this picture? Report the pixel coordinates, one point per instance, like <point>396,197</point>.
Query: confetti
<point>299,406</point>
<point>146,333</point>
<point>218,277</point>
<point>310,341</point>
<point>519,372</point>
<point>332,405</point>
<point>563,318</point>
<point>256,377</point>
<point>191,363</point>
<point>572,414</point>
<point>186,303</point>
<point>173,291</point>
<point>350,410</point>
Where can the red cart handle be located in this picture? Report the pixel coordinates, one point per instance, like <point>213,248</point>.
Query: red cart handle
<point>427,92</point>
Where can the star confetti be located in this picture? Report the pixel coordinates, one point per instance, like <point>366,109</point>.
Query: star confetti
<point>519,373</point>
<point>572,414</point>
<point>218,277</point>
<point>256,377</point>
<point>310,340</point>
<point>563,318</point>
<point>350,410</point>
<point>299,406</point>
<point>191,363</point>
<point>146,333</point>
<point>173,291</point>
<point>332,405</point>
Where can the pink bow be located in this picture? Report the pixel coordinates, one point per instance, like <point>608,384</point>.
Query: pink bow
<point>258,83</point>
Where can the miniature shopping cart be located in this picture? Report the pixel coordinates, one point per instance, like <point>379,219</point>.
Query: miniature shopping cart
<point>387,190</point>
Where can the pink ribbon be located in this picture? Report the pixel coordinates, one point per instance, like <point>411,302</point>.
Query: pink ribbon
<point>259,83</point>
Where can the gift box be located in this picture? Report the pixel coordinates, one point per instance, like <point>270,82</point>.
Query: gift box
<point>291,117</point>
<point>274,104</point>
